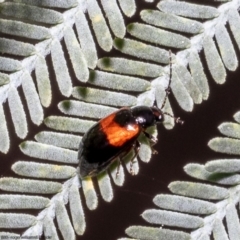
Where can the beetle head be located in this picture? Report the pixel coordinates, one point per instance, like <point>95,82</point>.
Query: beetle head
<point>147,116</point>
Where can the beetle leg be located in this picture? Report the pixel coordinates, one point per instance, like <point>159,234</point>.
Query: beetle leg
<point>150,137</point>
<point>118,167</point>
<point>153,140</point>
<point>136,150</point>
<point>153,150</point>
<point>168,89</point>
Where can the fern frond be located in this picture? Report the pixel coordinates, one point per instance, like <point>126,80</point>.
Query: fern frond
<point>190,205</point>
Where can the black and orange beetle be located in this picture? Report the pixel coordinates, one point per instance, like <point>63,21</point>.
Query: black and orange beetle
<point>116,135</point>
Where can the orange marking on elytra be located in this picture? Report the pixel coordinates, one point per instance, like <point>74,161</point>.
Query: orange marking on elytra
<point>116,134</point>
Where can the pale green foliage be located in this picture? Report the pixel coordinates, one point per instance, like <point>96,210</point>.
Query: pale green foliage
<point>76,210</point>
<point>103,97</point>
<point>182,96</point>
<point>86,40</point>
<point>171,21</point>
<point>9,65</point>
<point>129,67</point>
<point>118,82</point>
<point>198,74</point>
<point>32,98</point>
<point>50,3</point>
<point>223,166</point>
<point>29,186</point>
<point>172,219</point>
<point>4,79</point>
<point>63,221</point>
<point>145,152</point>
<point>61,70</point>
<point>39,170</point>
<point>99,25</point>
<point>232,222</point>
<point>120,179</point>
<point>48,152</point>
<point>19,10</point>
<point>86,26</point>
<point>82,109</point>
<point>128,164</point>
<point>13,235</point>
<point>234,21</point>
<point>3,132</point>
<point>43,82</point>
<point>184,204</point>
<point>128,7</point>
<point>15,47</point>
<point>141,50</point>
<point>198,190</point>
<point>224,42</point>
<point>15,201</point>
<point>188,83</point>
<point>76,55</point>
<point>140,232</point>
<point>68,124</point>
<point>19,29</point>
<point>17,113</point>
<point>214,61</point>
<point>198,171</point>
<point>230,129</point>
<point>231,143</point>
<point>114,17</point>
<point>105,187</point>
<point>225,145</point>
<point>59,139</point>
<point>90,194</point>
<point>13,220</point>
<point>49,228</point>
<point>219,231</point>
<point>188,10</point>
<point>157,36</point>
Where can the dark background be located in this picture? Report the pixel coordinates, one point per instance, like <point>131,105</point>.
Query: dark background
<point>184,144</point>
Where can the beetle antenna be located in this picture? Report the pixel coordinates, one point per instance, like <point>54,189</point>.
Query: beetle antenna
<point>168,89</point>
<point>177,120</point>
